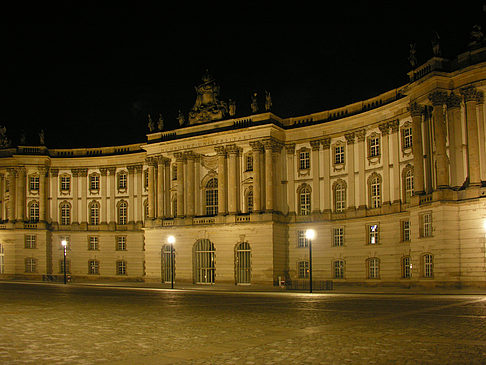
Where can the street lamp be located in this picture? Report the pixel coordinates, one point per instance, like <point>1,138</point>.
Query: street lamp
<point>64,245</point>
<point>310,234</point>
<point>171,240</point>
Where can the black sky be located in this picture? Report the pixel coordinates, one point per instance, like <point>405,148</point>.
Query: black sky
<point>89,74</point>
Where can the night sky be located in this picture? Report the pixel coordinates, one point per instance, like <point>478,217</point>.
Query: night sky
<point>89,75</point>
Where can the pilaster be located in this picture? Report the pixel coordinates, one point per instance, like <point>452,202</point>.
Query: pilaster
<point>453,103</point>
<point>416,112</point>
<point>350,164</point>
<point>384,129</point>
<point>257,149</point>
<point>438,99</point>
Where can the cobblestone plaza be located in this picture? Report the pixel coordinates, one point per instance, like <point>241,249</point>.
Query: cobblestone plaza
<point>77,324</point>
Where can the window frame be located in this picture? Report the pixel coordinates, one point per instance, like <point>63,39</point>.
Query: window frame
<point>339,186</point>
<point>65,213</point>
<point>303,269</point>
<point>211,196</point>
<point>93,267</point>
<point>304,195</point>
<point>338,271</point>
<point>30,241</point>
<point>373,271</point>
<point>373,234</point>
<point>428,266</point>
<point>121,243</point>
<point>93,243</point>
<point>338,236</point>
<point>302,240</point>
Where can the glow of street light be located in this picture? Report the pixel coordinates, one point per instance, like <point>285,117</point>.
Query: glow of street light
<point>310,234</point>
<point>171,240</point>
<point>64,243</point>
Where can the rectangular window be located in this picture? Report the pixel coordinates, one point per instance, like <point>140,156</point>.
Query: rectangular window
<point>94,182</point>
<point>373,268</point>
<point>406,268</point>
<point>30,241</point>
<point>93,243</point>
<point>303,269</point>
<point>338,236</point>
<point>302,241</point>
<point>338,155</point>
<point>93,267</point>
<point>373,234</point>
<point>374,145</point>
<point>30,265</point>
<point>34,183</point>
<point>428,266</point>
<point>407,137</point>
<point>405,230</point>
<point>338,269</point>
<point>65,183</point>
<point>121,243</point>
<point>121,267</point>
<point>146,179</point>
<point>68,266</point>
<point>304,160</point>
<point>249,162</point>
<point>122,181</point>
<point>427,224</point>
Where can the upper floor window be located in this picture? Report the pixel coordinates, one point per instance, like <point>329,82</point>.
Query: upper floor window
<point>304,159</point>
<point>338,236</point>
<point>122,180</point>
<point>94,213</point>
<point>121,267</point>
<point>426,224</point>
<point>249,200</point>
<point>65,210</point>
<point>30,241</point>
<point>339,154</point>
<point>93,267</point>
<point>302,240</point>
<point>34,212</point>
<point>121,243</point>
<point>405,227</point>
<point>211,195</point>
<point>374,145</point>
<point>145,179</point>
<point>339,189</point>
<point>374,187</point>
<point>93,243</point>
<point>407,137</point>
<point>122,212</point>
<point>65,183</point>
<point>407,176</point>
<point>174,172</point>
<point>373,234</point>
<point>304,200</point>
<point>34,183</point>
<point>249,162</point>
<point>94,182</point>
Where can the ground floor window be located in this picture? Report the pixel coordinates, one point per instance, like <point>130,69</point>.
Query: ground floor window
<point>61,266</point>
<point>30,265</point>
<point>406,267</point>
<point>338,268</point>
<point>428,269</point>
<point>303,269</point>
<point>167,261</point>
<point>204,265</point>
<point>93,267</point>
<point>242,263</point>
<point>2,260</point>
<point>373,266</point>
<point>121,267</point>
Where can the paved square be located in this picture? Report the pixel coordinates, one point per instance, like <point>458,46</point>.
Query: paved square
<point>55,324</point>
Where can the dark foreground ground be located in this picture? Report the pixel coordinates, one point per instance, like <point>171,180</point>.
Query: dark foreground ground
<point>75,324</point>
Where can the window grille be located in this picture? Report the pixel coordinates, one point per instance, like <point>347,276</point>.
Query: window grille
<point>94,213</point>
<point>212,197</point>
<point>93,267</point>
<point>373,234</point>
<point>122,212</point>
<point>243,263</point>
<point>65,213</point>
<point>428,266</point>
<point>304,160</point>
<point>374,144</point>
<point>2,259</point>
<point>373,268</point>
<point>305,201</point>
<point>121,267</point>
<point>406,267</point>
<point>121,243</point>
<point>204,257</point>
<point>375,188</point>
<point>406,230</point>
<point>303,269</point>
<point>338,268</point>
<point>30,265</point>
<point>338,236</point>
<point>93,243</point>
<point>30,241</point>
<point>34,212</point>
<point>34,183</point>
<point>338,155</point>
<point>94,182</point>
<point>407,137</point>
<point>167,263</point>
<point>340,197</point>
<point>302,240</point>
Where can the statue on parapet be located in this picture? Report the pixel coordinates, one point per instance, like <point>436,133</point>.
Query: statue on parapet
<point>254,103</point>
<point>180,118</point>
<point>160,123</point>
<point>150,124</point>
<point>4,141</point>
<point>477,37</point>
<point>436,45</point>
<point>412,58</point>
<point>232,108</point>
<point>268,101</point>
<point>42,138</point>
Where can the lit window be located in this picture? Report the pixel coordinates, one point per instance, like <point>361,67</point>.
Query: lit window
<point>338,236</point>
<point>373,265</point>
<point>338,269</point>
<point>211,193</point>
<point>340,197</point>
<point>302,240</point>
<point>121,243</point>
<point>303,268</point>
<point>30,241</point>
<point>93,243</point>
<point>373,234</point>
<point>304,160</point>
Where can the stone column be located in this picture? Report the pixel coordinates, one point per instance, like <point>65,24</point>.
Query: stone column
<point>180,184</point>
<point>55,194</point>
<point>189,155</point>
<point>257,148</point>
<point>112,172</point>
<point>42,193</point>
<point>316,196</point>
<point>197,185</point>
<point>290,148</point>
<point>326,145</point>
<point>269,175</point>
<point>151,187</point>
<point>139,207</point>
<point>482,134</point>
<point>167,212</point>
<point>438,99</point>
<point>131,193</point>
<point>360,135</point>
<point>83,173</point>
<point>233,183</point>
<point>350,162</point>
<point>104,187</point>
<point>20,194</point>
<point>470,98</point>
<point>160,186</point>
<point>12,184</point>
<point>416,112</point>
<point>74,184</point>
<point>221,152</point>
<point>395,130</point>
<point>386,162</point>
<point>455,140</point>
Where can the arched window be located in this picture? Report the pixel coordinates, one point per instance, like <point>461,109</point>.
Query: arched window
<point>65,210</point>
<point>167,260</point>
<point>407,183</point>
<point>249,200</point>
<point>374,188</point>
<point>122,212</point>
<point>211,195</point>
<point>339,190</point>
<point>34,211</point>
<point>304,193</point>
<point>243,263</point>
<point>94,213</point>
<point>204,255</point>
<point>373,268</point>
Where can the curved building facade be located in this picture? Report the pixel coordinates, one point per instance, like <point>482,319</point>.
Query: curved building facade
<point>393,186</point>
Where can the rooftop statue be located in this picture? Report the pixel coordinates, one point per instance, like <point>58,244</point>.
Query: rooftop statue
<point>477,37</point>
<point>150,124</point>
<point>232,108</point>
<point>207,106</point>
<point>180,118</point>
<point>160,123</point>
<point>254,103</point>
<point>268,101</point>
<point>42,138</point>
<point>436,45</point>
<point>412,58</point>
<point>4,141</point>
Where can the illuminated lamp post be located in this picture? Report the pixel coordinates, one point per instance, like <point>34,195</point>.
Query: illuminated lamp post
<point>64,245</point>
<point>310,234</point>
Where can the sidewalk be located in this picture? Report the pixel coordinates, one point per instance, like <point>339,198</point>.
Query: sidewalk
<point>338,289</point>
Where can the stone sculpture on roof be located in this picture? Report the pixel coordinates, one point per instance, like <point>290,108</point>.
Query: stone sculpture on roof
<point>207,106</point>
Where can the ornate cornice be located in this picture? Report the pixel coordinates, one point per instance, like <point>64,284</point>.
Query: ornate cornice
<point>453,101</point>
<point>480,97</point>
<point>438,98</point>
<point>349,137</point>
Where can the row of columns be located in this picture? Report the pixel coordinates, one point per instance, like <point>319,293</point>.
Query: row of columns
<point>450,169</point>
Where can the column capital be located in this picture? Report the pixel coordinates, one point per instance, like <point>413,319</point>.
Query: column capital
<point>43,170</point>
<point>151,161</point>
<point>290,148</point>
<point>139,168</point>
<point>326,143</point>
<point>360,134</point>
<point>272,145</point>
<point>480,97</point>
<point>189,155</point>
<point>233,149</point>
<point>83,172</point>
<point>438,98</point>
<point>470,93</point>
<point>416,110</point>
<point>179,156</point>
<point>54,172</point>
<point>394,125</point>
<point>256,146</point>
<point>161,160</point>
<point>112,170</point>
<point>103,171</point>
<point>453,101</point>
<point>384,128</point>
<point>349,137</point>
<point>131,169</point>
<point>75,172</point>
<point>220,150</point>
<point>315,144</point>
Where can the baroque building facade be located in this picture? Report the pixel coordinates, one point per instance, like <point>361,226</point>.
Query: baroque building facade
<point>393,186</point>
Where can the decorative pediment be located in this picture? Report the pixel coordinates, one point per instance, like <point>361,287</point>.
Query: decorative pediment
<point>207,106</point>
